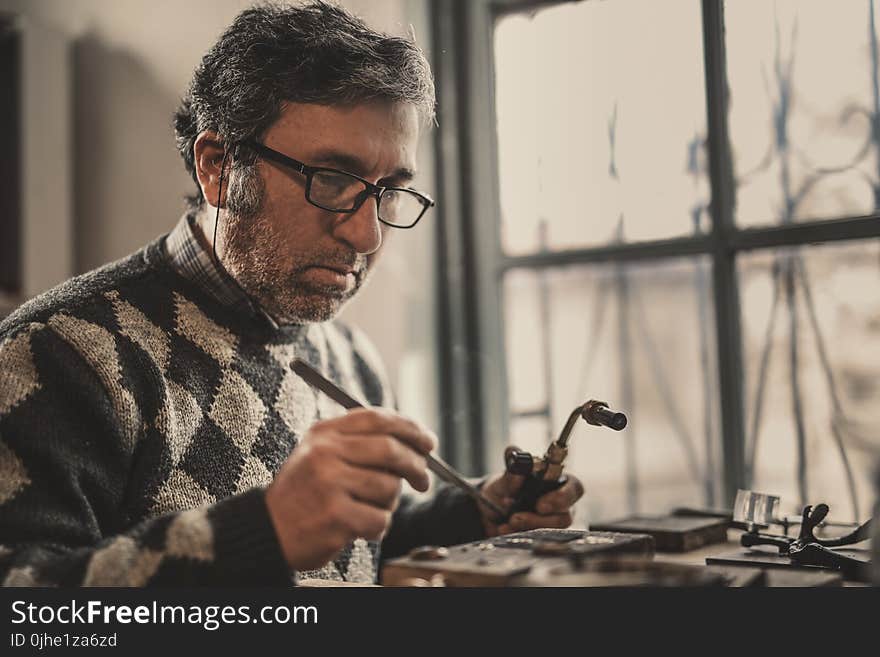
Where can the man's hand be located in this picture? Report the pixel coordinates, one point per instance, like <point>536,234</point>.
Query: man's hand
<point>343,481</point>
<point>551,510</point>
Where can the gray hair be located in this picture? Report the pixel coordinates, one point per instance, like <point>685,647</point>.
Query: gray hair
<point>313,53</point>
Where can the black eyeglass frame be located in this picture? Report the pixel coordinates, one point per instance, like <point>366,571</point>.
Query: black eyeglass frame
<point>375,191</point>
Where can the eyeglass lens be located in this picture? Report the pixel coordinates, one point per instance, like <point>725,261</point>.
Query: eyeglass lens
<point>340,192</point>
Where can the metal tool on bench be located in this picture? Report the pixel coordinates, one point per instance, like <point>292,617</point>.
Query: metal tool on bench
<point>809,550</point>
<point>435,465</point>
<point>755,509</point>
<point>544,474</point>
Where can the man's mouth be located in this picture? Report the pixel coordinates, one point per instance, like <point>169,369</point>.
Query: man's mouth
<point>342,269</point>
<point>335,276</point>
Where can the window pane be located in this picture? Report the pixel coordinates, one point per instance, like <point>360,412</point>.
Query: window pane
<point>569,80</point>
<point>639,337</point>
<point>528,434</point>
<point>523,322</point>
<point>832,315</point>
<point>802,76</point>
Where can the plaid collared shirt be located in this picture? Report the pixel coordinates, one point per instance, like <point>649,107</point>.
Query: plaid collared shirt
<point>192,261</point>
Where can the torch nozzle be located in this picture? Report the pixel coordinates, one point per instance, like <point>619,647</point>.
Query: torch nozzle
<point>598,413</point>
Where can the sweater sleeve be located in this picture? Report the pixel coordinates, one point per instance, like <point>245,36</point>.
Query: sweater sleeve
<point>66,452</point>
<point>447,516</point>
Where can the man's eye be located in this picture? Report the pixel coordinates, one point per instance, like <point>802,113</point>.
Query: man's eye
<point>335,182</point>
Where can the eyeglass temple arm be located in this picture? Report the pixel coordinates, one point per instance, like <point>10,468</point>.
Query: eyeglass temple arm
<point>274,155</point>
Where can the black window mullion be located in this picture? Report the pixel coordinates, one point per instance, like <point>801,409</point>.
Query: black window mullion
<point>727,308</point>
<point>801,233</point>
<point>461,442</point>
<point>618,252</point>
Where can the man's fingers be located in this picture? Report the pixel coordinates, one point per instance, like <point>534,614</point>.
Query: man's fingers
<point>503,487</point>
<point>511,483</point>
<point>365,520</point>
<point>561,499</point>
<point>527,520</point>
<point>384,452</point>
<point>380,420</point>
<point>374,487</point>
<point>505,529</point>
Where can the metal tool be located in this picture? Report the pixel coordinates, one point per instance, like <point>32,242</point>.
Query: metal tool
<point>435,465</point>
<point>809,550</point>
<point>544,474</point>
<point>755,509</point>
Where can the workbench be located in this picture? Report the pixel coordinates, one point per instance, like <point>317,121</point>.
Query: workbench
<point>493,563</point>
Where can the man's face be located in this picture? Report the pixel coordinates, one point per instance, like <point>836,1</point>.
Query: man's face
<point>302,263</point>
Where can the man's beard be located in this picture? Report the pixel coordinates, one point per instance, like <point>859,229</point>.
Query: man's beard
<point>252,254</point>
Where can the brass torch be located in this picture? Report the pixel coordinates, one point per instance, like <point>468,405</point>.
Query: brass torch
<point>544,474</point>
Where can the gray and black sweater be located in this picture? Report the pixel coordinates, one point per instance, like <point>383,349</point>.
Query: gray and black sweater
<point>140,421</point>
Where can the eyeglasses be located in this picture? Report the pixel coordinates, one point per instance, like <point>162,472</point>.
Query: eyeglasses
<point>338,191</point>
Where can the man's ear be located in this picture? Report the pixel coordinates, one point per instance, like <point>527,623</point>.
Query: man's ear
<point>208,152</point>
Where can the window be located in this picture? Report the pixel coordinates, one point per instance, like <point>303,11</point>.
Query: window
<point>671,206</point>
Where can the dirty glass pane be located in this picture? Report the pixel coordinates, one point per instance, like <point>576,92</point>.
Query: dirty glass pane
<point>804,108</point>
<point>811,339</point>
<point>600,124</point>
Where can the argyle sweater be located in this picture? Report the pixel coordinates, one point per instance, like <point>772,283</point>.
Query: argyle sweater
<point>141,420</point>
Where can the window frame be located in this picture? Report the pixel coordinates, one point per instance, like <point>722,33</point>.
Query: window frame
<point>472,263</point>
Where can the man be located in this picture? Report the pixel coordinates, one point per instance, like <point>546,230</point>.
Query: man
<point>151,431</point>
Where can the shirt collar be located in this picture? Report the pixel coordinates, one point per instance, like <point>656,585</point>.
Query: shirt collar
<point>192,261</point>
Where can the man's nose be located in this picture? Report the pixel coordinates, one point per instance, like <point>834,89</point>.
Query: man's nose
<point>361,229</point>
